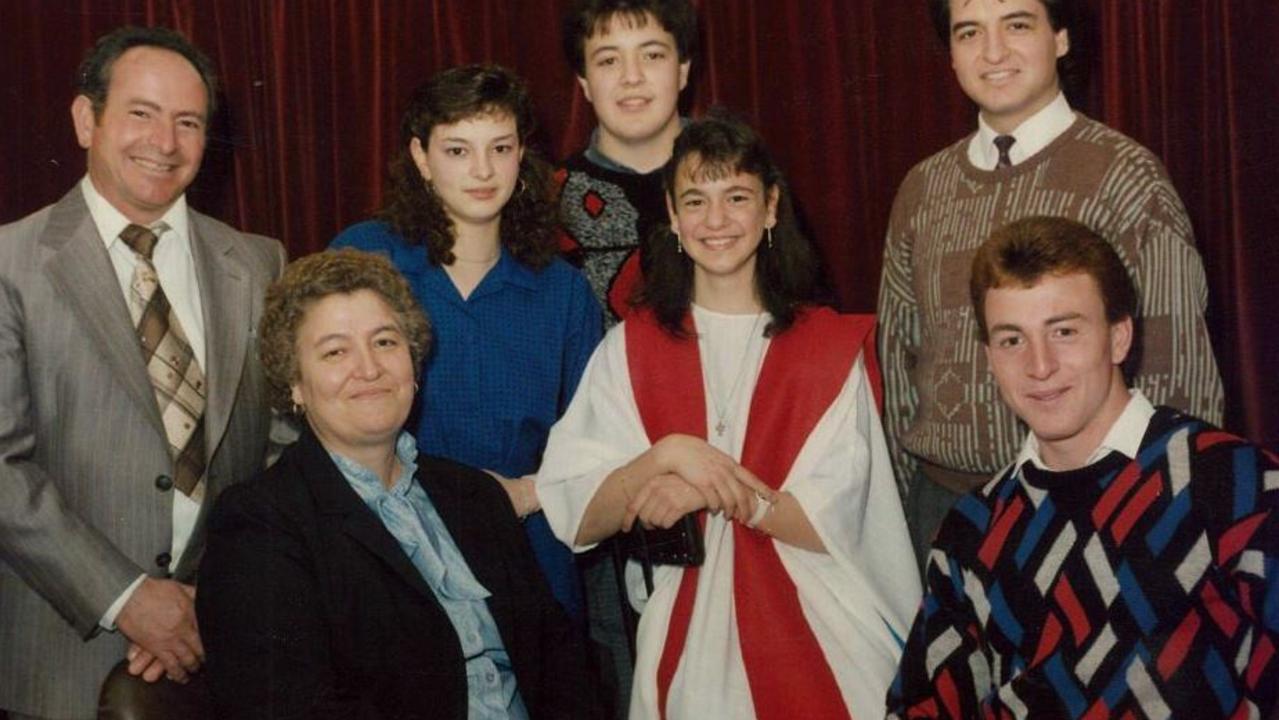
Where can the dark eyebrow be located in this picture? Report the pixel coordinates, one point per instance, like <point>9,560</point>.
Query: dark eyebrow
<point>1018,15</point>
<point>1063,318</point>
<point>1001,327</point>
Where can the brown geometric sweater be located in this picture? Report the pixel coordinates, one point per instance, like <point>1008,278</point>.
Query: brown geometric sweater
<point>940,401</point>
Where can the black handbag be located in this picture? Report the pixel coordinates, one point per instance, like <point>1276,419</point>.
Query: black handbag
<point>679,544</point>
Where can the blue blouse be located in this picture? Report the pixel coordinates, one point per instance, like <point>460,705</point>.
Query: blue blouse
<point>504,364</point>
<point>411,518</point>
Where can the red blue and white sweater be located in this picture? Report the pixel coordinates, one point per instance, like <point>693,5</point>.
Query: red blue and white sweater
<point>1144,588</point>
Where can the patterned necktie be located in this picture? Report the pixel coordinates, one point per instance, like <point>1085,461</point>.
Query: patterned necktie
<point>1002,144</point>
<point>175,375</point>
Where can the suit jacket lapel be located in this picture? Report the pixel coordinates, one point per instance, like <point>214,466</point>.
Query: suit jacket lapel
<point>78,264</point>
<point>226,297</point>
<point>334,496</point>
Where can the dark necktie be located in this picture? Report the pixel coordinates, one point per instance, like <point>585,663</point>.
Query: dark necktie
<point>1003,143</point>
<point>175,375</point>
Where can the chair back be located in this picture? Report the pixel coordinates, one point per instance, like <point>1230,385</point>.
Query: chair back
<point>129,697</point>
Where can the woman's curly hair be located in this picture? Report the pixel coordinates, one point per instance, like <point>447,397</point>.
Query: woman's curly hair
<point>529,219</point>
<point>310,279</point>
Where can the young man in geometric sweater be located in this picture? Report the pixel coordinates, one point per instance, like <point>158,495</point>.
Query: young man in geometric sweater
<point>946,429</point>
<point>632,59</point>
<point>1127,563</point>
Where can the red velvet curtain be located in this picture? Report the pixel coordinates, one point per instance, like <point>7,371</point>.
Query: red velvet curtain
<point>849,94</point>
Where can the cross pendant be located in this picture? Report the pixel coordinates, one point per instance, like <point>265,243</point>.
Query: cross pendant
<point>720,427</point>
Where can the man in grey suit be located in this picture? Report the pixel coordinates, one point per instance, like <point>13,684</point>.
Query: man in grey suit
<point>130,392</point>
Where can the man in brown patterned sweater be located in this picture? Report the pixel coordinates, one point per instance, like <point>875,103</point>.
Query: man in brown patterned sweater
<point>1031,154</point>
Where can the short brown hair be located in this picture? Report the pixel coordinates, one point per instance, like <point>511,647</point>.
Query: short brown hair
<point>311,279</point>
<point>1022,252</point>
<point>586,18</point>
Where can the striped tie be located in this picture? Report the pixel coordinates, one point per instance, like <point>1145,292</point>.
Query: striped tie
<point>175,375</point>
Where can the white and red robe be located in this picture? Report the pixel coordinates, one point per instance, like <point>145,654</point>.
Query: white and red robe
<point>762,629</point>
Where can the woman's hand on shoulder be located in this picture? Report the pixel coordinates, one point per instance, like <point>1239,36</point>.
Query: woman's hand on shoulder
<point>521,492</point>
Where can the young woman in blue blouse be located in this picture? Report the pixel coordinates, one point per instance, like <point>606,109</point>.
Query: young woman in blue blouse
<point>471,225</point>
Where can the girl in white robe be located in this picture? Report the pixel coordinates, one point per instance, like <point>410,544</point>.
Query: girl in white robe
<point>728,284</point>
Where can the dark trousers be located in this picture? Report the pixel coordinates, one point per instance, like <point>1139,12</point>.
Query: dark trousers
<point>608,628</point>
<point>925,507</point>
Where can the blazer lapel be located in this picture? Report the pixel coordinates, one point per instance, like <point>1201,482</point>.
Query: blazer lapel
<point>227,300</point>
<point>334,497</point>
<point>472,529</point>
<point>80,267</point>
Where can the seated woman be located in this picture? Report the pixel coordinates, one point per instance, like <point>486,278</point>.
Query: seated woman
<point>727,392</point>
<point>471,224</point>
<point>356,578</point>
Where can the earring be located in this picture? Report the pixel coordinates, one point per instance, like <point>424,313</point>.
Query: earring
<point>523,185</point>
<point>679,246</point>
<point>299,410</point>
<point>769,231</point>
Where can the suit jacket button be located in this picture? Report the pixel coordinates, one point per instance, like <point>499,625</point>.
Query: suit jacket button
<point>163,483</point>
<point>163,559</point>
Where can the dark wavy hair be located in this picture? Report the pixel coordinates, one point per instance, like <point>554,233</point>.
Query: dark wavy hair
<point>786,273</point>
<point>415,212</point>
<point>93,77</point>
<point>586,18</point>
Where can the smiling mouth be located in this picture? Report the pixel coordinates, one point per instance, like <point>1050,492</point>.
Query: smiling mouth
<point>998,76</point>
<point>633,103</point>
<point>370,393</point>
<point>719,243</point>
<point>153,166</point>
<point>1046,396</point>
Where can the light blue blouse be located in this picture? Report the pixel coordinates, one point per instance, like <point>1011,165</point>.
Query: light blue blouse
<point>410,516</point>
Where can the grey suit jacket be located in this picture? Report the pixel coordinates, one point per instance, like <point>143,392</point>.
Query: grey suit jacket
<point>82,444</point>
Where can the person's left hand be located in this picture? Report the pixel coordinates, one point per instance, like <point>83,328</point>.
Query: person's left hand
<point>521,492</point>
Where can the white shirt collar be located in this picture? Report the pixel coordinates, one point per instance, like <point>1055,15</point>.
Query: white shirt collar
<point>1124,436</point>
<point>110,221</point>
<point>1032,135</point>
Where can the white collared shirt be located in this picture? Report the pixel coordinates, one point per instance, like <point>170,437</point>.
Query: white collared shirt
<point>175,267</point>
<point>1032,135</point>
<point>172,259</point>
<point>1123,437</point>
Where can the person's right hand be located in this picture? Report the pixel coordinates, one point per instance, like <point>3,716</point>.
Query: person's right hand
<point>709,471</point>
<point>159,619</point>
<point>662,501</point>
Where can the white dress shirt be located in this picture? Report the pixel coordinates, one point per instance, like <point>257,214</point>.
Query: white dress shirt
<point>1123,437</point>
<point>1032,135</point>
<point>175,267</point>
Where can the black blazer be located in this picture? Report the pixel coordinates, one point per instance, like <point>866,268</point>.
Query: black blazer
<point>309,608</point>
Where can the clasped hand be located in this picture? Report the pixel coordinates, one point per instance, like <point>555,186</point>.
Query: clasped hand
<point>164,639</point>
<point>692,475</point>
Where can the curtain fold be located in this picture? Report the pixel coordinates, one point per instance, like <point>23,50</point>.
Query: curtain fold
<point>849,94</point>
